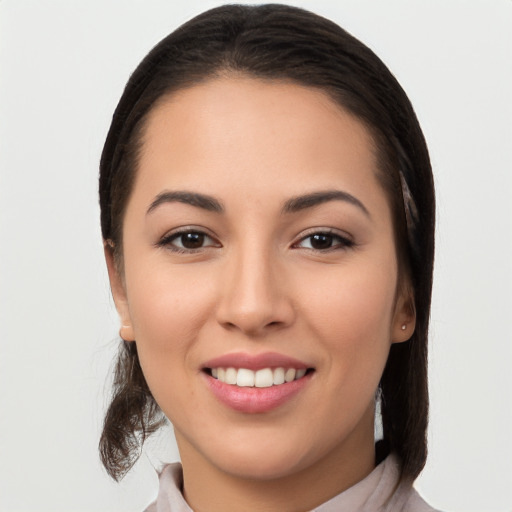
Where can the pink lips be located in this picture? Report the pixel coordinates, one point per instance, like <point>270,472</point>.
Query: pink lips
<point>255,362</point>
<point>250,399</point>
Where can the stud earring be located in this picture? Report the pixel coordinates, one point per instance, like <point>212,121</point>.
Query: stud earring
<point>404,326</point>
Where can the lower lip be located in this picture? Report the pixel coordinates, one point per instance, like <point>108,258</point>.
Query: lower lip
<point>255,400</point>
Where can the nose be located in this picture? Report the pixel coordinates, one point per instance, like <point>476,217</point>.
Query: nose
<point>255,298</point>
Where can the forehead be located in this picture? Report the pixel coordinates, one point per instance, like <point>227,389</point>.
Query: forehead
<point>238,124</point>
<point>253,103</point>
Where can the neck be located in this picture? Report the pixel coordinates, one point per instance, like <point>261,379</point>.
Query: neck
<point>208,488</point>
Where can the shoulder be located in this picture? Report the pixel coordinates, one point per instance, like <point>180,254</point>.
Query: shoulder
<point>169,493</point>
<point>415,503</point>
<point>404,497</point>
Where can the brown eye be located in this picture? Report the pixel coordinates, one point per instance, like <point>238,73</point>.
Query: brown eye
<point>321,241</point>
<point>324,241</point>
<point>191,240</point>
<point>187,241</point>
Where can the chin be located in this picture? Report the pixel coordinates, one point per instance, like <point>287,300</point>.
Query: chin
<point>261,466</point>
<point>267,455</point>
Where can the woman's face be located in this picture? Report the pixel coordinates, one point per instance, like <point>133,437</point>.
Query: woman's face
<point>257,238</point>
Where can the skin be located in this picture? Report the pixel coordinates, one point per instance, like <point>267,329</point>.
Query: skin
<point>257,285</point>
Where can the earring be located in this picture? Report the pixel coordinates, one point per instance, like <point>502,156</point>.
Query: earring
<point>404,326</point>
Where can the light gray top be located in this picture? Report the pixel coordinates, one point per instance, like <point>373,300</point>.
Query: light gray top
<point>380,491</point>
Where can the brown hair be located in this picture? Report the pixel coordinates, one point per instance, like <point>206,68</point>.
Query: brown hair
<point>283,43</point>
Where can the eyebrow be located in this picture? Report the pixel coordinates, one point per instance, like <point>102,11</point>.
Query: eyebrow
<point>203,201</point>
<point>295,204</point>
<point>299,203</point>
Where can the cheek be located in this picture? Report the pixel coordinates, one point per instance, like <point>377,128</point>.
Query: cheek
<point>352,313</point>
<point>167,310</point>
<point>357,301</point>
<point>165,301</point>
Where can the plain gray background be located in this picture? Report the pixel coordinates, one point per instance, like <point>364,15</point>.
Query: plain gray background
<point>63,65</point>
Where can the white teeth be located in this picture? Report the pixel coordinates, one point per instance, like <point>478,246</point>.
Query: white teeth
<point>263,378</point>
<point>300,373</point>
<point>290,375</point>
<point>245,378</point>
<point>231,376</point>
<point>278,376</point>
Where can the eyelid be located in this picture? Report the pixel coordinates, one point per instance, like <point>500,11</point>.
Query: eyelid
<point>346,239</point>
<point>166,240</point>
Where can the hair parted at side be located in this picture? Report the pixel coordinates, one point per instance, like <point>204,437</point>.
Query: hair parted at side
<point>279,42</point>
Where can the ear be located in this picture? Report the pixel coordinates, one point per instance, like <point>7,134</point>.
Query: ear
<point>404,320</point>
<point>118,292</point>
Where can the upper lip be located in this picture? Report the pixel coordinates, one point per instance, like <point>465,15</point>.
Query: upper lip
<point>255,361</point>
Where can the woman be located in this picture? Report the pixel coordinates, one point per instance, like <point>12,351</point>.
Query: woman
<point>268,217</point>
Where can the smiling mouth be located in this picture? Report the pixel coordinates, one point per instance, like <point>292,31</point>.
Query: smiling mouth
<point>263,378</point>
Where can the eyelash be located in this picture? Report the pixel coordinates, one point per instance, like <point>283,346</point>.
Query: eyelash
<point>168,241</point>
<point>342,241</point>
